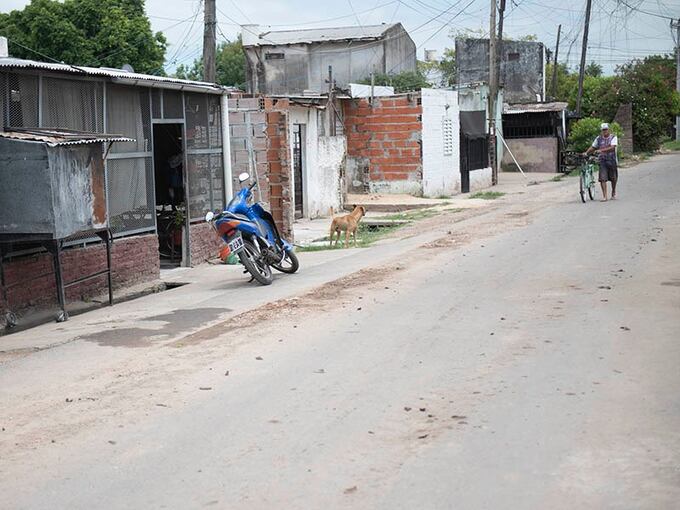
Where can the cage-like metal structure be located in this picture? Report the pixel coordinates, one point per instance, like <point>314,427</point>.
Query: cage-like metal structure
<point>42,95</point>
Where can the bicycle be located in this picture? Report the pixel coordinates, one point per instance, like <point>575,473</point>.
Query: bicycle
<point>587,177</point>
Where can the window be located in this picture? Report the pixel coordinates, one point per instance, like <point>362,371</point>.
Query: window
<point>447,134</point>
<point>274,56</point>
<point>513,57</point>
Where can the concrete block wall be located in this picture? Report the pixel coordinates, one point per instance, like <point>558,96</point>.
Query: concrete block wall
<point>260,146</point>
<point>384,144</point>
<point>441,157</point>
<point>133,260</point>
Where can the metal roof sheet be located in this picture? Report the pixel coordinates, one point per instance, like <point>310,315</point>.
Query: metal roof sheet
<point>115,74</point>
<point>285,37</point>
<point>58,137</point>
<point>534,107</point>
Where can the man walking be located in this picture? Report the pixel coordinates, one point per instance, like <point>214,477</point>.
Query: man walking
<point>605,145</point>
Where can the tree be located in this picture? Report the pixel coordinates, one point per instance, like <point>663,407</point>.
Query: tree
<point>586,130</point>
<point>649,84</point>
<point>407,81</point>
<point>566,81</point>
<point>594,69</point>
<point>230,66</point>
<point>107,33</point>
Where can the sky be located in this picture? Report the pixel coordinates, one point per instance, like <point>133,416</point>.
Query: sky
<point>619,30</point>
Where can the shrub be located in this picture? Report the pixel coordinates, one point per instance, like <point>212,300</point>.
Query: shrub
<point>586,130</point>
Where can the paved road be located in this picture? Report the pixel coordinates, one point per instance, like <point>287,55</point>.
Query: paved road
<point>528,360</point>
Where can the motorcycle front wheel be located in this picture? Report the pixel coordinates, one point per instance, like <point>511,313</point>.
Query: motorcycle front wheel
<point>255,263</point>
<point>289,264</point>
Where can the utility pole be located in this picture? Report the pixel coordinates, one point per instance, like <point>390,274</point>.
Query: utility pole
<point>209,22</point>
<point>493,92</point>
<point>676,25</point>
<point>372,88</point>
<point>499,42</point>
<point>584,48</point>
<point>553,91</point>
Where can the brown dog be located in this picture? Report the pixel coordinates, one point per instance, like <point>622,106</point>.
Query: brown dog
<point>347,224</point>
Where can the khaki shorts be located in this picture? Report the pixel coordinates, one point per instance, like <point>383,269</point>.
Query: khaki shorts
<point>608,171</point>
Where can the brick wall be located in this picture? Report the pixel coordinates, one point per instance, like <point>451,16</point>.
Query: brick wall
<point>205,243</point>
<point>383,144</point>
<point>624,116</point>
<point>133,260</point>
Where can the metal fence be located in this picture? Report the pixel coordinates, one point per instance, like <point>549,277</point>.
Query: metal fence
<point>43,99</point>
<point>204,154</point>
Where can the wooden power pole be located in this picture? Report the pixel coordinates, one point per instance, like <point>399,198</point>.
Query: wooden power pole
<point>209,23</point>
<point>553,89</point>
<point>676,25</point>
<point>493,92</point>
<point>584,48</point>
<point>499,42</point>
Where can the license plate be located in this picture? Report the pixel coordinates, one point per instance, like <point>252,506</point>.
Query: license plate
<point>236,244</point>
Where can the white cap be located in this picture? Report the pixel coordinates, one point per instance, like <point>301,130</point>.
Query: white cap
<point>604,126</point>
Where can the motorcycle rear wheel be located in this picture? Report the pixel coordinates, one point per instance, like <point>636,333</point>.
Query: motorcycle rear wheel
<point>254,262</point>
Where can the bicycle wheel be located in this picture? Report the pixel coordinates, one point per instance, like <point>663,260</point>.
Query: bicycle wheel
<point>591,183</point>
<point>582,187</point>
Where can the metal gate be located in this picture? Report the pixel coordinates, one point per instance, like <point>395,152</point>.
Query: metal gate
<point>297,168</point>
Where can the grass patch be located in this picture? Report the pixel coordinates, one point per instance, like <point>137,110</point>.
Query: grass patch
<point>366,236</point>
<point>487,195</point>
<point>671,145</point>
<point>411,215</point>
<point>557,178</point>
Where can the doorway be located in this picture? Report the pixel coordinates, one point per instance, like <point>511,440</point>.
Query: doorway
<point>168,156</point>
<point>298,165</point>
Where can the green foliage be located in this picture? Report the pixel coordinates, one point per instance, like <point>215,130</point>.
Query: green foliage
<point>487,195</point>
<point>594,69</point>
<point>587,129</point>
<point>408,81</point>
<point>106,33</point>
<point>671,145</point>
<point>448,67</point>
<point>230,66</point>
<point>566,82</point>
<point>649,85</point>
<point>598,99</point>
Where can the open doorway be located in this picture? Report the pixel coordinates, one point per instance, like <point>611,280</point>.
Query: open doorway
<point>170,193</point>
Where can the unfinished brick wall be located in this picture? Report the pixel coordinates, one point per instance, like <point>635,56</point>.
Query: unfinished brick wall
<point>133,260</point>
<point>205,244</point>
<point>384,144</point>
<point>260,145</point>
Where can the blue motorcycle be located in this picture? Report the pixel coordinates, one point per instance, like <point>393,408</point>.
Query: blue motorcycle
<point>250,232</point>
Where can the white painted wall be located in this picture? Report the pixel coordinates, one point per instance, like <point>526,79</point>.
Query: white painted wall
<point>480,179</point>
<point>441,172</point>
<point>323,158</point>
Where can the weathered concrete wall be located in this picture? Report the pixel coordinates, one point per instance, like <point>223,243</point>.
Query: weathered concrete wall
<point>480,179</point>
<point>323,158</point>
<point>305,66</point>
<point>441,143</point>
<point>533,155</point>
<point>522,67</point>
<point>383,144</point>
<point>134,260</point>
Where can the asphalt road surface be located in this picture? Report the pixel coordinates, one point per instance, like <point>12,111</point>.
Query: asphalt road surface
<point>530,359</point>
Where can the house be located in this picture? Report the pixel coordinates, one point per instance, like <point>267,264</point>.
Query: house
<point>432,143</point>
<point>297,61</point>
<point>159,184</point>
<point>536,136</point>
<point>522,72</point>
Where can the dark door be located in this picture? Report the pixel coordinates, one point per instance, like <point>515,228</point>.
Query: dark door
<point>297,168</point>
<point>464,164</point>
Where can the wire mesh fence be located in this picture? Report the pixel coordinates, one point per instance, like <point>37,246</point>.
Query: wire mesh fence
<point>73,104</point>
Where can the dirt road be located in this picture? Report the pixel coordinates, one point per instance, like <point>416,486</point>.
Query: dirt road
<point>526,358</point>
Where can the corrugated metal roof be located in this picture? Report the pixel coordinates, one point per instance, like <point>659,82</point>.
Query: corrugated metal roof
<point>57,137</point>
<point>115,74</point>
<point>285,37</point>
<point>534,107</point>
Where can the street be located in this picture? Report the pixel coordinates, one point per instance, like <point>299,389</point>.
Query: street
<point>523,358</point>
